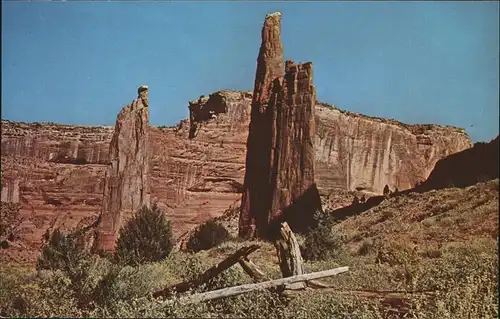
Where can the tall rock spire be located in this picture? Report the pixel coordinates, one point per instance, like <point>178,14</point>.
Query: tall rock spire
<point>126,186</point>
<point>280,152</point>
<point>269,62</point>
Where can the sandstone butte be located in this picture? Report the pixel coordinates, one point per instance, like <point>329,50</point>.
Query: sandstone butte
<point>56,172</point>
<point>126,183</point>
<point>280,148</point>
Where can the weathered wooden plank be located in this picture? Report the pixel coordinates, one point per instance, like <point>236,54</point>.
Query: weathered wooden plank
<point>209,274</point>
<point>237,290</point>
<point>252,270</point>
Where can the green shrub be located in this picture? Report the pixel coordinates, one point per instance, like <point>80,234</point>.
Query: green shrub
<point>208,235</point>
<point>62,252</point>
<point>320,242</point>
<point>49,295</point>
<point>185,265</point>
<point>13,277</point>
<point>147,237</point>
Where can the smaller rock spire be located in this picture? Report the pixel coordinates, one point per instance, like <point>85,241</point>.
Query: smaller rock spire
<point>126,187</point>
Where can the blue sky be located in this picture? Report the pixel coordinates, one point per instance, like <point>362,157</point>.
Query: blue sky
<point>417,62</point>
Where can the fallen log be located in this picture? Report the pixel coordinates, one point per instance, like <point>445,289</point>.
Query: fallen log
<point>252,270</point>
<point>317,284</point>
<point>209,274</point>
<point>238,290</point>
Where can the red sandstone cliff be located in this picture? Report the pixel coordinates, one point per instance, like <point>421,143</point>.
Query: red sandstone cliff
<point>126,185</point>
<point>190,172</point>
<point>358,152</point>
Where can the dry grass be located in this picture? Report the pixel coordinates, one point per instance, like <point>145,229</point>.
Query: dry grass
<point>428,220</point>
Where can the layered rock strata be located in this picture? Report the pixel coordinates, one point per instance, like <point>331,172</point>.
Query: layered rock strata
<point>189,172</point>
<point>280,147</point>
<point>10,190</point>
<point>199,178</point>
<point>360,153</point>
<point>126,187</point>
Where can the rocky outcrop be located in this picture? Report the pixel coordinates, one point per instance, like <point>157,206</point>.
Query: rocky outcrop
<point>231,105</point>
<point>280,147</point>
<point>126,187</point>
<point>465,168</point>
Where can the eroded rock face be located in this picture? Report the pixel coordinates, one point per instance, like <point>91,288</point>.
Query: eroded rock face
<point>10,190</point>
<point>231,105</point>
<point>126,187</point>
<point>56,143</point>
<point>465,168</point>
<point>280,147</point>
<point>293,146</point>
<point>194,177</point>
<point>356,152</point>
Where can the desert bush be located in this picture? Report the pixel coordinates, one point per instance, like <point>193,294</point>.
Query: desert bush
<point>146,237</point>
<point>396,254</point>
<point>368,246</point>
<point>13,277</point>
<point>185,265</point>
<point>230,277</point>
<point>320,242</point>
<point>49,295</point>
<point>126,283</point>
<point>255,304</point>
<point>61,251</point>
<point>208,235</point>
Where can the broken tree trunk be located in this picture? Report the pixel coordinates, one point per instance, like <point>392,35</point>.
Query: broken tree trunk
<point>289,256</point>
<point>209,274</point>
<point>252,270</point>
<point>237,290</point>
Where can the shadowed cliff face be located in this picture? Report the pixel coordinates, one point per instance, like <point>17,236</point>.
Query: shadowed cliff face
<point>465,168</point>
<point>126,186</point>
<point>474,165</point>
<point>293,146</point>
<point>280,147</point>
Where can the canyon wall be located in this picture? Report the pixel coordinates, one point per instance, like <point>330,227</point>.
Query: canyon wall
<point>358,152</point>
<point>197,178</point>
